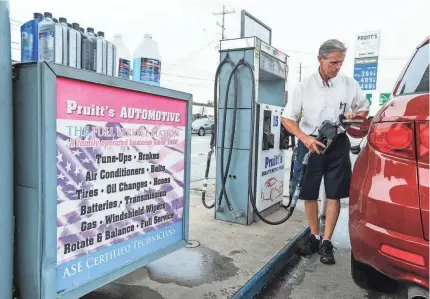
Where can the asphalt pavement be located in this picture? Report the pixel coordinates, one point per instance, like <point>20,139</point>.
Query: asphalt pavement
<point>307,277</point>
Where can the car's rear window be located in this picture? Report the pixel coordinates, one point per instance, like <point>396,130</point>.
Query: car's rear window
<point>416,78</point>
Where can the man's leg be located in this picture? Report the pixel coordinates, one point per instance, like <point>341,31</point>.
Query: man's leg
<point>309,193</point>
<point>337,178</point>
<point>332,214</point>
<point>311,208</point>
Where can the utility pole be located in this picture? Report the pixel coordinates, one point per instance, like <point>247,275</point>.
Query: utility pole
<point>223,13</point>
<point>6,149</point>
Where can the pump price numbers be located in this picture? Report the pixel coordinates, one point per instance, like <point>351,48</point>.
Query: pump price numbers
<point>366,75</point>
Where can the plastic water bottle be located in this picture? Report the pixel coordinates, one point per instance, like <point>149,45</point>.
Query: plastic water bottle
<point>123,60</point>
<point>73,47</point>
<point>111,58</point>
<point>101,49</point>
<point>63,23</point>
<point>79,35</point>
<point>50,40</point>
<point>89,44</point>
<point>147,62</point>
<point>30,39</point>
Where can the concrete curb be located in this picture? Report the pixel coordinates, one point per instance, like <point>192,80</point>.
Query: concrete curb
<point>254,286</point>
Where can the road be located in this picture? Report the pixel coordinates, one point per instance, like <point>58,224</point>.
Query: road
<point>199,150</point>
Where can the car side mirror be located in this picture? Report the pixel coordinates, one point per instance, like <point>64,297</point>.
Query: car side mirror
<point>355,149</point>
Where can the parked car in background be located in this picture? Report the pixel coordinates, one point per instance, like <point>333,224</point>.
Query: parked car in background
<point>202,126</point>
<point>389,194</point>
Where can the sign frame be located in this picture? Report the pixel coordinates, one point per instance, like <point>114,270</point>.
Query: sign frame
<point>36,176</point>
<point>244,15</point>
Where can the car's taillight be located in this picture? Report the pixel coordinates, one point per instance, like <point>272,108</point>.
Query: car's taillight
<point>423,142</point>
<point>395,139</point>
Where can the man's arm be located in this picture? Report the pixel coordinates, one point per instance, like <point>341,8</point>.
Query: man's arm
<point>293,128</point>
<point>360,104</point>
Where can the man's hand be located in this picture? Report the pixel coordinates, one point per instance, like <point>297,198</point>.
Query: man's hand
<point>350,115</point>
<point>311,143</point>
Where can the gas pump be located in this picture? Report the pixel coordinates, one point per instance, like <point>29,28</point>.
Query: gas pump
<point>250,142</point>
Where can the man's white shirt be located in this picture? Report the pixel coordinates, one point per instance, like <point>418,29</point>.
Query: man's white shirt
<point>317,101</point>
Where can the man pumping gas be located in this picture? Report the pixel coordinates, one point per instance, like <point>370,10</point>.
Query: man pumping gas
<point>324,95</point>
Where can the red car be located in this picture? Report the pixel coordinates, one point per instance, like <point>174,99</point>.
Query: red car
<point>389,195</point>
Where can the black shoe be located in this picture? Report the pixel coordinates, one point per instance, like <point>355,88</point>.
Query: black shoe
<point>326,250</point>
<point>310,245</point>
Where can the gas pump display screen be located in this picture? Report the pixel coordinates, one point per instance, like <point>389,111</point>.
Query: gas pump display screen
<point>272,65</point>
<point>120,178</point>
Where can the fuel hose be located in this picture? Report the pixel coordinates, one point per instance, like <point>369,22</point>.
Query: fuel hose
<point>213,144</point>
<point>251,196</point>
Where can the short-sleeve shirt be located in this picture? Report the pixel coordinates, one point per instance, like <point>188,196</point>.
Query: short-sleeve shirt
<point>316,101</point>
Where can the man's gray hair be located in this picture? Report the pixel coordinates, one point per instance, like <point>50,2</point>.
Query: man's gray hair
<point>332,45</point>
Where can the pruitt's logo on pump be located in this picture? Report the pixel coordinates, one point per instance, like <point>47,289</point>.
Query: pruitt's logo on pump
<point>271,162</point>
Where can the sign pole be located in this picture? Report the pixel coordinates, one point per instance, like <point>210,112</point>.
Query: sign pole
<point>6,149</point>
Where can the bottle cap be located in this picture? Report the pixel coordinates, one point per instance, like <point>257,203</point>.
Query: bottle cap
<point>75,26</point>
<point>118,35</point>
<point>63,20</point>
<point>81,29</point>
<point>101,33</point>
<point>48,15</point>
<point>69,25</point>
<point>55,20</point>
<point>89,29</point>
<point>38,15</point>
<point>148,35</point>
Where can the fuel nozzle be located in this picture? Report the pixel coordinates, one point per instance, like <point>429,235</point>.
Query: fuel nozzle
<point>346,123</point>
<point>286,139</point>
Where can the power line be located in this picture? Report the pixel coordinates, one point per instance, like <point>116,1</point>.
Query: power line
<point>191,55</point>
<point>223,13</point>
<point>187,77</point>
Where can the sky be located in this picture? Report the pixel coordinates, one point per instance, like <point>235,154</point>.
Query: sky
<point>188,35</point>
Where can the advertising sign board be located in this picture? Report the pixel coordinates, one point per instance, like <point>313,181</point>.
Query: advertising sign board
<point>366,59</point>
<point>101,178</point>
<point>367,44</point>
<point>383,98</point>
<point>120,177</point>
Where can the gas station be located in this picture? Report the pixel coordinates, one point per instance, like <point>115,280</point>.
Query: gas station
<point>97,195</point>
<point>96,192</point>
